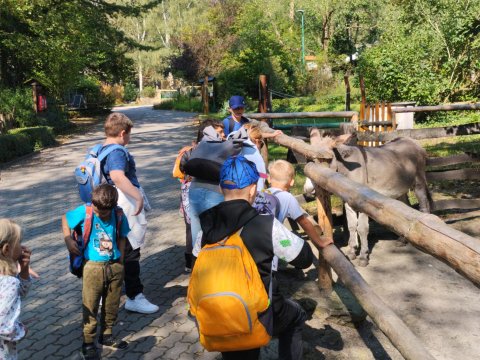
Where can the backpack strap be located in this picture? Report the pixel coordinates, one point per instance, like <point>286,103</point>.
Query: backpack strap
<point>118,220</point>
<point>231,124</point>
<point>87,225</point>
<point>103,154</point>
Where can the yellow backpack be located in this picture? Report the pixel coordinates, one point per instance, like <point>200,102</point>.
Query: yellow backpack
<point>226,295</point>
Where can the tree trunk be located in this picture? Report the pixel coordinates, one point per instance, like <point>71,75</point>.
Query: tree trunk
<point>140,78</point>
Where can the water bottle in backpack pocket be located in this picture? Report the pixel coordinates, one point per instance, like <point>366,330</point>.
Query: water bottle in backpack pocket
<point>88,174</point>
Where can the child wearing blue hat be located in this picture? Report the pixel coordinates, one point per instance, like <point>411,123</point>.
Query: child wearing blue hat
<point>266,240</point>
<point>236,108</point>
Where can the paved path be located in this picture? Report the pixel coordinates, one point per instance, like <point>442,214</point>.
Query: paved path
<point>36,191</point>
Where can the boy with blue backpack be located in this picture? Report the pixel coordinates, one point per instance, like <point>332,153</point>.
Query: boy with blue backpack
<point>104,228</point>
<point>111,162</point>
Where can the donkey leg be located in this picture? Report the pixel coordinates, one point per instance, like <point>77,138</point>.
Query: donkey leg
<point>352,229</point>
<point>401,241</point>
<point>423,193</point>
<point>363,228</point>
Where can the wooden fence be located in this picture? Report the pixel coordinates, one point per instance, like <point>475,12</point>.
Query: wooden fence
<point>390,324</point>
<point>458,250</point>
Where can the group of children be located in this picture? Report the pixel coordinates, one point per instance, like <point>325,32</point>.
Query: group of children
<point>118,224</point>
<point>217,209</point>
<point>117,229</point>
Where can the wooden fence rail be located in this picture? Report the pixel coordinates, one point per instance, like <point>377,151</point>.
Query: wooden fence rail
<point>420,134</point>
<point>310,115</point>
<point>425,231</point>
<point>433,108</point>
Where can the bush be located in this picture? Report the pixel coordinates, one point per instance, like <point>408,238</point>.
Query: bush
<point>23,141</point>
<point>19,104</point>
<point>55,117</point>
<point>130,92</point>
<point>96,95</point>
<point>148,91</point>
<point>12,146</point>
<point>181,103</point>
<point>38,136</point>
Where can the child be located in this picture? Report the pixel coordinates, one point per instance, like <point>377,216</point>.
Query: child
<point>236,108</point>
<point>185,187</point>
<point>281,179</point>
<point>120,170</point>
<point>103,270</point>
<point>265,239</point>
<point>12,287</point>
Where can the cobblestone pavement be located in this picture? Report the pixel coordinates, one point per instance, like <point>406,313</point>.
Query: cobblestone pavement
<point>37,190</point>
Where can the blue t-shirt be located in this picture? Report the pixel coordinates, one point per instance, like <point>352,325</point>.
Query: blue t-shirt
<point>117,160</point>
<point>102,245</point>
<point>236,125</point>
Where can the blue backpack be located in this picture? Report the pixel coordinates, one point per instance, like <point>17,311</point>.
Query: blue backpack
<point>88,173</point>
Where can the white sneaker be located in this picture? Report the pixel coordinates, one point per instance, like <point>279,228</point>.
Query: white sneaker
<point>140,305</point>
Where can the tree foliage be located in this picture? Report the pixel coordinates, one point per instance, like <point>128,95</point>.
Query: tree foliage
<point>58,42</point>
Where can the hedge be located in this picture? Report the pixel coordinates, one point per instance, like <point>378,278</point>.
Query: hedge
<point>22,141</point>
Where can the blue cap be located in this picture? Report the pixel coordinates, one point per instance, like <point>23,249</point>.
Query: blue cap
<point>236,102</point>
<point>238,173</point>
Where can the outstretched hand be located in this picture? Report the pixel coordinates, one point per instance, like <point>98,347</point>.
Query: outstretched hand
<point>24,262</point>
<point>272,134</point>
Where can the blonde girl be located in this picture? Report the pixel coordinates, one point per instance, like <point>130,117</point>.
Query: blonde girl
<point>14,284</point>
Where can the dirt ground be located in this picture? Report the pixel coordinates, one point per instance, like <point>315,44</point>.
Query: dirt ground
<point>439,305</point>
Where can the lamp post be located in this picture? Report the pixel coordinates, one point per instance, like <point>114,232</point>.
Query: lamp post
<point>303,38</point>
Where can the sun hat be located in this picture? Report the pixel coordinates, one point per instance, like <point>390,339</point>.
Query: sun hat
<point>238,173</point>
<point>236,102</point>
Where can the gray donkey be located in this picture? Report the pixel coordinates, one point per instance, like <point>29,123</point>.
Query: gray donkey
<point>391,169</point>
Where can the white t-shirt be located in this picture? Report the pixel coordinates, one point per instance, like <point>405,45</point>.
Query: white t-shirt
<point>289,206</point>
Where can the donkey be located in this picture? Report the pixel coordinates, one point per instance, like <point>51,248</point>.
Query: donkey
<point>391,169</point>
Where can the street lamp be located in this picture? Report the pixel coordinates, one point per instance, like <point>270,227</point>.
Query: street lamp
<point>303,37</point>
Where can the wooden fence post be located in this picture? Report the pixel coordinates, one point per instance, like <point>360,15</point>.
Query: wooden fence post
<point>324,209</point>
<point>205,95</point>
<point>263,108</point>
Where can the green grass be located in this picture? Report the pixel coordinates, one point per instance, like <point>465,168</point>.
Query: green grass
<point>452,146</point>
<point>449,118</point>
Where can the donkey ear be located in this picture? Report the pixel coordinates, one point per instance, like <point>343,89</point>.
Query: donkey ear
<point>343,139</point>
<point>345,151</point>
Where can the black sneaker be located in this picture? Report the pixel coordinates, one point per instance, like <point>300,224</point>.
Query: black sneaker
<point>89,352</point>
<point>110,341</point>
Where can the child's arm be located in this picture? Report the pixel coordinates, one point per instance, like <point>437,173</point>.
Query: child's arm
<point>125,185</point>
<point>24,262</point>
<point>67,236</point>
<point>121,247</point>
<point>319,241</point>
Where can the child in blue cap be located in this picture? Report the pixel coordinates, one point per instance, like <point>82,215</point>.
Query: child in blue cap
<point>266,240</point>
<point>236,108</point>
